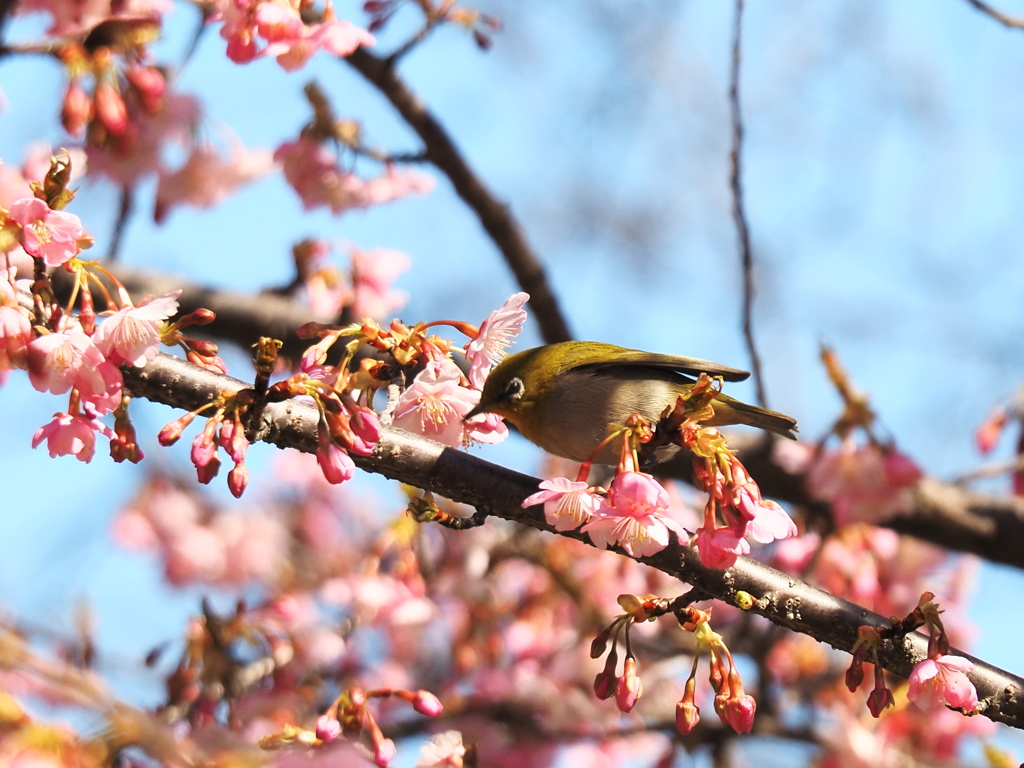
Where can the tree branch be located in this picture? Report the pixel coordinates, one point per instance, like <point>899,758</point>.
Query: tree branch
<point>460,477</point>
<point>945,514</point>
<point>495,216</point>
<point>739,214</point>
<point>1011,22</point>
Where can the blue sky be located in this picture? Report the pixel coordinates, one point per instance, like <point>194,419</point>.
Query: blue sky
<point>883,171</point>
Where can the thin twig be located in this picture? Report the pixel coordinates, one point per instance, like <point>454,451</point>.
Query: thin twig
<point>124,210</point>
<point>1011,22</point>
<point>738,213</point>
<point>989,470</point>
<point>404,49</point>
<point>494,215</point>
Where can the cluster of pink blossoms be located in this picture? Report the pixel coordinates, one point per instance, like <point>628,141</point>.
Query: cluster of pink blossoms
<point>440,396</point>
<point>633,513</point>
<point>315,174</point>
<point>64,353</point>
<point>284,35</point>
<point>366,288</point>
<point>738,499</point>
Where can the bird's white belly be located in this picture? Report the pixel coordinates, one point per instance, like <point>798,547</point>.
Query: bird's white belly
<point>577,414</point>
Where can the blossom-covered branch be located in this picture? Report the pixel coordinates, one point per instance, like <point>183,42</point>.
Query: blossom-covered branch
<point>423,463</point>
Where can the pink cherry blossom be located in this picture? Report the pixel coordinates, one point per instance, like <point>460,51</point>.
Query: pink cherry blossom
<point>312,171</point>
<point>373,272</point>
<point>864,483</point>
<point>567,504</point>
<point>486,428</point>
<point>59,361</point>
<point>174,124</point>
<point>47,234</point>
<point>719,547</point>
<point>75,18</point>
<point>444,750</point>
<point>496,334</point>
<point>207,177</point>
<point>72,434</point>
<point>634,516</point>
<point>15,327</point>
<point>294,47</point>
<point>435,403</point>
<point>943,680</point>
<point>132,334</point>
<point>770,523</point>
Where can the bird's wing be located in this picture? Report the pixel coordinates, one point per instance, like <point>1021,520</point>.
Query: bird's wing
<point>636,359</point>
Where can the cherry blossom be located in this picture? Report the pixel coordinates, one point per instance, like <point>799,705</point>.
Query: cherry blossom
<point>312,171</point>
<point>864,483</point>
<point>59,361</point>
<point>567,504</point>
<point>373,272</point>
<point>72,435</point>
<point>444,750</point>
<point>634,516</point>
<point>435,404</point>
<point>132,334</point>
<point>207,177</point>
<point>52,236</point>
<point>719,547</point>
<point>15,325</point>
<point>943,680</point>
<point>495,336</point>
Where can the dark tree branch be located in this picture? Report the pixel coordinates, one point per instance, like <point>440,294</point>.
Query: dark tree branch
<point>945,514</point>
<point>242,318</point>
<point>739,214</point>
<point>414,460</point>
<point>494,215</point>
<point>1011,22</point>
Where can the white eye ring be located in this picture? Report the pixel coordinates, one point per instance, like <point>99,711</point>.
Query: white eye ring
<point>514,389</point>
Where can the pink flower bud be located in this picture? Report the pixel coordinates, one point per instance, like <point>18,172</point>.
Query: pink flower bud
<point>427,704</point>
<point>687,713</point>
<point>336,465</point>
<point>604,685</point>
<point>630,688</point>
<point>172,431</point>
<point>327,728</point>
<point>110,108</point>
<point>150,84</point>
<point>879,699</point>
<point>383,752</point>
<point>238,479</point>
<point>687,716</point>
<point>739,713</point>
<point>76,109</point>
<point>854,675</point>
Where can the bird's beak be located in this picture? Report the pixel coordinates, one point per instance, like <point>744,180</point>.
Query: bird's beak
<point>480,408</point>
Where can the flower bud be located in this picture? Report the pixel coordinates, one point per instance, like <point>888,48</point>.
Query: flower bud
<point>76,109</point>
<point>427,704</point>
<point>110,108</point>
<point>630,687</point>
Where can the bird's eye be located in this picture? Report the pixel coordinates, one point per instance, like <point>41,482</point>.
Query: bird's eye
<point>514,389</point>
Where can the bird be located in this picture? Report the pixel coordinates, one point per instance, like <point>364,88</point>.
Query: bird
<point>563,396</point>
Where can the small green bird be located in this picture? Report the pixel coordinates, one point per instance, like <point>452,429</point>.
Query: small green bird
<point>563,396</point>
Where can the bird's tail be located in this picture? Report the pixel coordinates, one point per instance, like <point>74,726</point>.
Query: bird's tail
<point>731,411</point>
